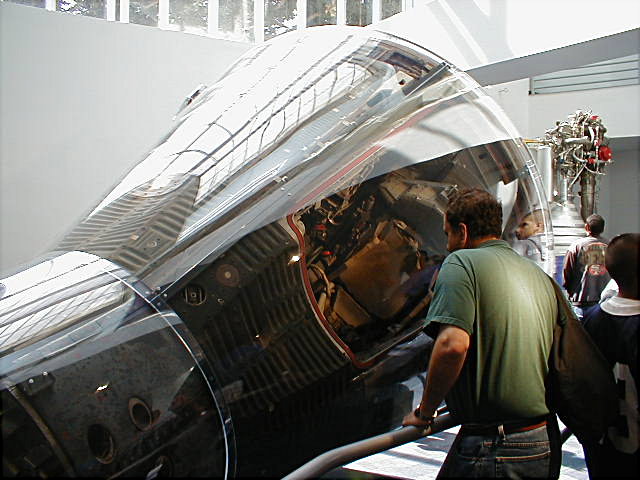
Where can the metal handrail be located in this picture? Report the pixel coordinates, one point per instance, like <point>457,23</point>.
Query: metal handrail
<point>348,453</point>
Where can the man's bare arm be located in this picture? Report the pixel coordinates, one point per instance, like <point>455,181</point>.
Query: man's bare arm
<point>447,358</point>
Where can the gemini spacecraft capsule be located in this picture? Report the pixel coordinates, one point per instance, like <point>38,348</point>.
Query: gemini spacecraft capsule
<point>252,293</point>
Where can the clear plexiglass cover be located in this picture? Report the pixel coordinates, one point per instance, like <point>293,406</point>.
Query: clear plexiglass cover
<point>294,121</point>
<point>280,239</point>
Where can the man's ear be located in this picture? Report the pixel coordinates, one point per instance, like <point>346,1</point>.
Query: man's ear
<point>464,231</point>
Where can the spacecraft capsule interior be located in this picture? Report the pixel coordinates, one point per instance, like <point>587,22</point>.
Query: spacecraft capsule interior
<point>262,272</point>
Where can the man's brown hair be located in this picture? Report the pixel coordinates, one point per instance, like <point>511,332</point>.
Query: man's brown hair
<point>478,210</point>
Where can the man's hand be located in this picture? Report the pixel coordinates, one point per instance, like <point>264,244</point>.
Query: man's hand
<point>412,419</point>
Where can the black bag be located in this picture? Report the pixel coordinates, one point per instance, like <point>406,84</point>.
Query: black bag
<point>581,387</point>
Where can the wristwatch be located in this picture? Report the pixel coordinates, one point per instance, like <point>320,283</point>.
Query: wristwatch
<point>428,419</point>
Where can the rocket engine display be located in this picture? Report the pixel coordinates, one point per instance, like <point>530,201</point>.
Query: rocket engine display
<point>575,151</point>
<point>251,294</point>
<point>581,152</point>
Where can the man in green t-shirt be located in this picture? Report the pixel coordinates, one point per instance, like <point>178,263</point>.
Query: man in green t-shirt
<point>492,315</point>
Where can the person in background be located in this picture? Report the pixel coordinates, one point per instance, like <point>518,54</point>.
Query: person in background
<point>613,325</point>
<point>529,236</point>
<point>584,274</point>
<point>492,317</point>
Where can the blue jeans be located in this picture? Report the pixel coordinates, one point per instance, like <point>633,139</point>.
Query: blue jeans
<point>532,454</point>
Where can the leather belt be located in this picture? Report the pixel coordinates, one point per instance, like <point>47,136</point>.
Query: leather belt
<point>506,427</point>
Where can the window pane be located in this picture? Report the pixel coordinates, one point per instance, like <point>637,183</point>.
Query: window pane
<point>236,19</point>
<point>144,12</point>
<point>279,17</point>
<point>190,15</point>
<point>359,12</point>
<point>390,7</point>
<point>90,8</point>
<point>321,12</point>
<point>30,3</point>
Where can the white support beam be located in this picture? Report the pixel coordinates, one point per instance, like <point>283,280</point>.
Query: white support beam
<point>163,13</point>
<point>213,17</point>
<point>50,5</point>
<point>341,12</point>
<point>562,58</point>
<point>124,11</point>
<point>376,11</point>
<point>406,5</point>
<point>258,21</point>
<point>301,9</point>
<point>111,10</point>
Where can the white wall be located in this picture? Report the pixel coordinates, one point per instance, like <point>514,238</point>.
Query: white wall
<point>617,106</point>
<point>513,98</point>
<point>620,192</point>
<point>81,100</point>
<point>533,114</point>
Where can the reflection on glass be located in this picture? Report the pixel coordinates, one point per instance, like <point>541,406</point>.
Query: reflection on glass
<point>189,15</point>
<point>54,294</point>
<point>390,7</point>
<point>279,17</point>
<point>249,151</point>
<point>321,12</point>
<point>74,353</point>
<point>359,12</point>
<point>144,12</point>
<point>90,8</point>
<point>30,3</point>
<point>236,20</point>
